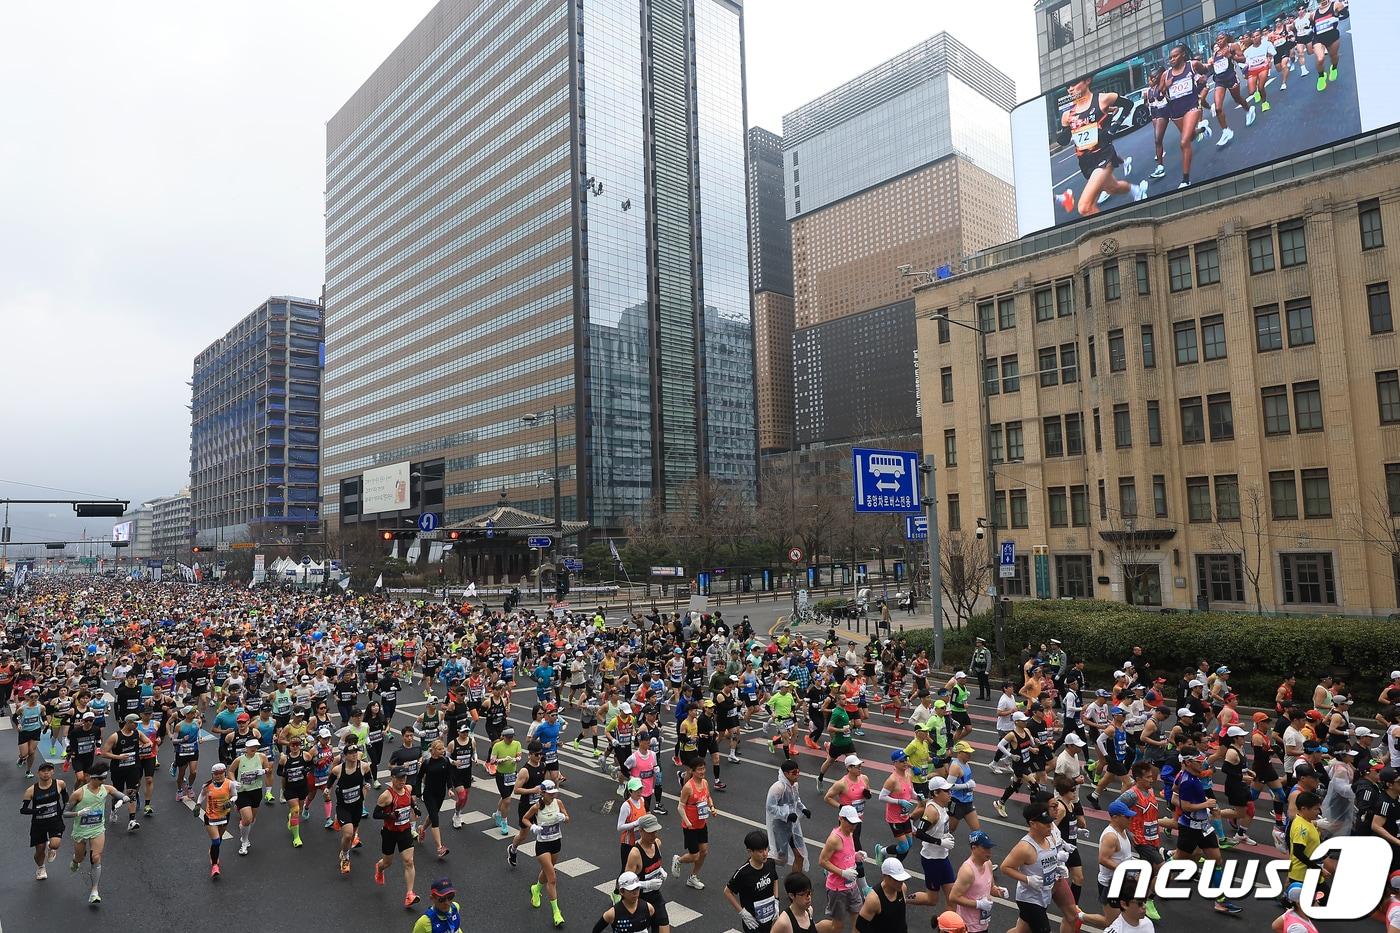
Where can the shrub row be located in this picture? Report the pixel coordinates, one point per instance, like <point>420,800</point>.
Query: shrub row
<point>1260,650</point>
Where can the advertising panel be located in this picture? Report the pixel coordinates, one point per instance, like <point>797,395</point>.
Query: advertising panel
<point>122,532</point>
<point>1273,80</point>
<point>384,489</point>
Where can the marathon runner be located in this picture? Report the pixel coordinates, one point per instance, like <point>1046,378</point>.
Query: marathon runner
<point>1085,125</point>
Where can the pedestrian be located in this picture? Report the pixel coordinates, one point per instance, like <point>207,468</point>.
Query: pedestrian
<point>752,889</point>
<point>444,914</point>
<point>784,808</point>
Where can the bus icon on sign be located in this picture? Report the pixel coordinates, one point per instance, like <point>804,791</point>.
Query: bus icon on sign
<point>882,465</point>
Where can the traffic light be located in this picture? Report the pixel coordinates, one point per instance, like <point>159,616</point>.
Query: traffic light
<point>198,550</point>
<point>561,585</point>
<point>99,509</point>
<point>454,534</point>
<point>397,535</point>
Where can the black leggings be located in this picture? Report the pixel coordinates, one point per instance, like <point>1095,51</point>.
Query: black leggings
<point>818,724</point>
<point>434,808</point>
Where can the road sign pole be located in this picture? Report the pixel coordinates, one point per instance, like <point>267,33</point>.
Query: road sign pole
<point>935,568</point>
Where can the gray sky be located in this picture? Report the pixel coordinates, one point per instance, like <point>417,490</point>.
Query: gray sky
<point>163,174</point>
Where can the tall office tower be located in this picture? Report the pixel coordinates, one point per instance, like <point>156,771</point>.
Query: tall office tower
<point>536,207</point>
<point>907,164</point>
<point>255,432</point>
<point>770,261</point>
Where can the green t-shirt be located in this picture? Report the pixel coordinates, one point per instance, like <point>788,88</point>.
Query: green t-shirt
<point>506,756</point>
<point>781,704</point>
<point>841,740</point>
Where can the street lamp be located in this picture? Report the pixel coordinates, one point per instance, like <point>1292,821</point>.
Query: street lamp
<point>984,401</point>
<point>553,415</point>
<point>533,418</point>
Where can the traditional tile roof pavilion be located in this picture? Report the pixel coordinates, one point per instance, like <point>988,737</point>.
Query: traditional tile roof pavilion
<point>509,522</point>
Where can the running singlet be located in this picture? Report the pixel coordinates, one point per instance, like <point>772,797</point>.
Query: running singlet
<point>895,813</point>
<point>398,815</point>
<point>91,813</point>
<point>1181,85</point>
<point>698,810</point>
<point>217,800</point>
<point>1084,126</point>
<point>248,772</point>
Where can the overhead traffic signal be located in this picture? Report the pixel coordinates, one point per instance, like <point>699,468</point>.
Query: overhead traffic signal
<point>397,535</point>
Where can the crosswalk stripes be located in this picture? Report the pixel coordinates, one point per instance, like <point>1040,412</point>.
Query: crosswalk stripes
<point>575,867</point>
<point>678,912</point>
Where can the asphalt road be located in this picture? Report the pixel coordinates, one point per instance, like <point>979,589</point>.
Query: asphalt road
<point>158,877</point>
<point>1301,118</point>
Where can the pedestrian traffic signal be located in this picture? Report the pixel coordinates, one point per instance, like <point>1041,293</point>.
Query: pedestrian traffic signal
<point>398,535</point>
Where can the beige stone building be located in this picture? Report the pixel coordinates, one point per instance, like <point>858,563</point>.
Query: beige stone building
<point>1200,393</point>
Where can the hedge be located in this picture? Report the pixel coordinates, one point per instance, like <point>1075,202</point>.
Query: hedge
<point>1260,650</point>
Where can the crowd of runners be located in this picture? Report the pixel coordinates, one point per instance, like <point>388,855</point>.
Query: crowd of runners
<point>112,685</point>
<point>1192,87</point>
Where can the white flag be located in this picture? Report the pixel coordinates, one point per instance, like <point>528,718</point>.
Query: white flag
<point>471,589</point>
<point>612,549</point>
<point>345,584</point>
<point>379,584</point>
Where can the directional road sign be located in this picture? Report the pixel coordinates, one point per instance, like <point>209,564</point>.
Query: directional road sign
<point>885,480</point>
<point>573,564</point>
<point>542,542</point>
<point>428,521</point>
<point>1008,559</point>
<point>916,527</point>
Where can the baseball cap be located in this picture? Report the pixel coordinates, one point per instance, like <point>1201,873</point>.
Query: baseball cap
<point>982,840</point>
<point>1361,732</point>
<point>443,888</point>
<point>1222,669</point>
<point>132,717</point>
<point>548,787</point>
<point>1260,716</point>
<point>1185,713</point>
<point>1196,683</point>
<point>962,747</point>
<point>853,761</point>
<point>1119,808</point>
<point>244,717</point>
<point>634,783</point>
<point>1118,673</point>
<point>1235,732</point>
<point>46,764</point>
<point>1102,693</point>
<point>850,814</point>
<point>649,824</point>
<point>251,743</point>
<point>219,766</point>
<point>895,869</point>
<point>89,715</point>
<point>898,755</point>
<point>960,675</point>
<point>1388,775</point>
<point>1118,711</point>
<point>628,881</point>
<point>625,709</point>
<point>1395,675</point>
<point>936,784</point>
<point>1075,740</point>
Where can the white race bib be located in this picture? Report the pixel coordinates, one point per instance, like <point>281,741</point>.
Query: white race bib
<point>1086,137</point>
<point>1222,65</point>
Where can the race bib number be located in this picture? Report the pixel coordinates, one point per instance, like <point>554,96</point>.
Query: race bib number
<point>550,832</point>
<point>766,910</point>
<point>1222,65</point>
<point>1326,23</point>
<point>1184,86</point>
<point>403,814</point>
<point>90,818</point>
<point>508,780</point>
<point>1086,138</point>
<point>702,810</point>
<point>1149,831</point>
<point>859,804</point>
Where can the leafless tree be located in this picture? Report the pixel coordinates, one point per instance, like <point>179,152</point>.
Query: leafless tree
<point>1377,525</point>
<point>966,573</point>
<point>1132,550</point>
<point>1249,538</point>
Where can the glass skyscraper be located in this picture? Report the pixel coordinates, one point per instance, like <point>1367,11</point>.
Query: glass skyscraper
<point>537,206</point>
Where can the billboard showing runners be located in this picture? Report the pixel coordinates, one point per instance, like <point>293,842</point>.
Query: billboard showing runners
<point>1273,80</point>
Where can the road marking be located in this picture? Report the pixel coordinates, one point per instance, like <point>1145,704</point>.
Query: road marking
<point>473,816</point>
<point>575,867</point>
<point>680,914</point>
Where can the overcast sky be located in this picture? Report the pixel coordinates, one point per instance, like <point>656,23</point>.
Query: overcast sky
<point>161,173</point>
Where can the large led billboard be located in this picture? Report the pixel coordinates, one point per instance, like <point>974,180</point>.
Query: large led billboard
<point>384,489</point>
<point>122,532</point>
<point>1268,82</point>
